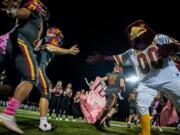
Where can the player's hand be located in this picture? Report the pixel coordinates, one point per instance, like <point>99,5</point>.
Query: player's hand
<point>6,2</point>
<point>12,3</point>
<point>74,50</point>
<point>9,4</point>
<point>94,58</point>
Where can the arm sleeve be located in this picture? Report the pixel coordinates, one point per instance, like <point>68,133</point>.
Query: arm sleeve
<point>162,39</point>
<point>124,59</point>
<point>35,6</point>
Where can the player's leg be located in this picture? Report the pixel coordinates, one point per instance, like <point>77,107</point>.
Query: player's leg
<point>136,119</point>
<point>112,109</point>
<point>145,97</point>
<point>131,111</point>
<point>44,100</point>
<point>109,104</point>
<point>27,68</point>
<point>108,111</point>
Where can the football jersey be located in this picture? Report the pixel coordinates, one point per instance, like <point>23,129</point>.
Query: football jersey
<point>33,26</point>
<point>44,56</point>
<point>114,80</point>
<point>149,69</point>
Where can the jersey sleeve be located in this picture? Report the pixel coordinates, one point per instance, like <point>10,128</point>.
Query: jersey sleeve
<point>161,39</point>
<point>35,6</point>
<point>124,59</point>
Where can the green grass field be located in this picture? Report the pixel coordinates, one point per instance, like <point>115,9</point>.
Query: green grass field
<point>29,121</point>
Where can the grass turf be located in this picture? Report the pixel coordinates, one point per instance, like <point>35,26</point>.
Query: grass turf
<point>29,121</point>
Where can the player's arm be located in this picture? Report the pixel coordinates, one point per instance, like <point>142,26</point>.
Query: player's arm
<point>124,59</point>
<point>13,10</point>
<point>121,59</point>
<point>74,50</point>
<point>167,45</point>
<point>118,59</point>
<point>22,13</point>
<point>97,57</point>
<point>105,78</point>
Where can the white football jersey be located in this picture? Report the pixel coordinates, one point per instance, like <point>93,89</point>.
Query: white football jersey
<point>149,69</point>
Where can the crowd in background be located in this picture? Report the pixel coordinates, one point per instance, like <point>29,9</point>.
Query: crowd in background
<point>61,99</point>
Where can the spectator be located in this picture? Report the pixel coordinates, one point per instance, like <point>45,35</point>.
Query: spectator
<point>56,99</point>
<point>66,101</point>
<point>76,107</point>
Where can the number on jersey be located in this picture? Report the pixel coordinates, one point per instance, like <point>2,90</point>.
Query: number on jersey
<point>149,59</point>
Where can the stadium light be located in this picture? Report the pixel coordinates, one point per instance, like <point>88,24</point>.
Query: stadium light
<point>132,79</point>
